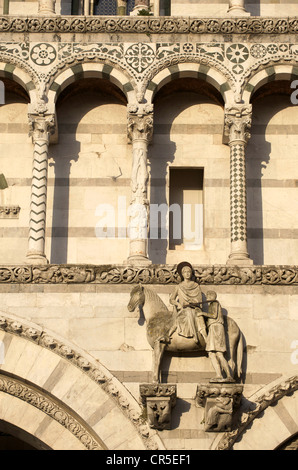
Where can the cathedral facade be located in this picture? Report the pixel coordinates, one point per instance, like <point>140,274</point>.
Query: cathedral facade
<point>149,228</point>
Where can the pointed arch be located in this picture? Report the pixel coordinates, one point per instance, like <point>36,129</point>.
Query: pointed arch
<point>62,396</point>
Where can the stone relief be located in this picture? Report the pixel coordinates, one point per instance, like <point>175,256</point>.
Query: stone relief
<point>154,274</point>
<point>236,61</point>
<point>185,330</point>
<point>165,25</point>
<point>220,403</point>
<point>94,370</point>
<point>51,408</point>
<point>194,325</point>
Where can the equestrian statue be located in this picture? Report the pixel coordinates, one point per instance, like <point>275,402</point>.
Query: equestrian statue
<point>189,327</point>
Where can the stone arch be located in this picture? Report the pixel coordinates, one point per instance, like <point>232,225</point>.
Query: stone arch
<point>19,75</point>
<point>91,70</point>
<point>63,397</point>
<point>205,71</point>
<point>268,74</point>
<point>274,414</point>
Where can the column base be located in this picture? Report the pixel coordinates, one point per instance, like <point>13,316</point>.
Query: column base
<point>36,258</point>
<point>238,260</point>
<point>138,261</point>
<point>238,11</point>
<point>138,8</point>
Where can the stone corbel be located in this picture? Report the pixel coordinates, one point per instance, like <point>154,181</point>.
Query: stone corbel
<point>158,401</point>
<point>220,401</point>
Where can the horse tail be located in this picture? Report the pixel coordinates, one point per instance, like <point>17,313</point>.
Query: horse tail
<point>235,348</point>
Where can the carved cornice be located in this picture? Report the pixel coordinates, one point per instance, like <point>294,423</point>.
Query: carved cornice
<point>135,24</point>
<point>93,369</point>
<point>270,398</point>
<point>154,274</point>
<point>47,405</point>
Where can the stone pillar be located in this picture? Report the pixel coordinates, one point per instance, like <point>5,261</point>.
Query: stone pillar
<point>41,127</point>
<point>46,7</point>
<point>237,126</point>
<point>237,8</point>
<point>121,7</point>
<point>140,130</point>
<point>140,5</point>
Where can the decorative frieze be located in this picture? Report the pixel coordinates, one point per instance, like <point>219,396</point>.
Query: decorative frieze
<point>95,371</point>
<point>50,407</point>
<point>137,24</point>
<point>154,274</point>
<point>9,212</point>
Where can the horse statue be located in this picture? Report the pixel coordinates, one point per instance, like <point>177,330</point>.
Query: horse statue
<point>162,332</point>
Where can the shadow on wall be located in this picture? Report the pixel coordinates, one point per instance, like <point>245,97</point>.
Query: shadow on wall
<point>73,104</point>
<point>253,7</point>
<point>258,153</point>
<point>257,158</point>
<point>59,235</point>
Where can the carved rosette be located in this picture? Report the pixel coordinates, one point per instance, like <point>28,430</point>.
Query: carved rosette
<point>237,126</point>
<point>220,402</point>
<point>41,127</point>
<point>158,401</point>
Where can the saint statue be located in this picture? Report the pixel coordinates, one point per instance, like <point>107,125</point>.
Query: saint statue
<point>187,299</point>
<point>216,339</point>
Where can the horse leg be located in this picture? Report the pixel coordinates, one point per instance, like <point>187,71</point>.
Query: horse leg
<point>158,351</point>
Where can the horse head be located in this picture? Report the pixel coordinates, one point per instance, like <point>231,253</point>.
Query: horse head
<point>137,298</point>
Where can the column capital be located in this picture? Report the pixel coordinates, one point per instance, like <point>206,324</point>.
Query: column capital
<point>41,127</point>
<point>238,119</point>
<point>140,122</point>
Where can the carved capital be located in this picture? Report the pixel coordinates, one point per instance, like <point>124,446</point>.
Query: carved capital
<point>140,122</point>
<point>220,401</point>
<point>237,124</point>
<point>158,400</point>
<point>41,127</point>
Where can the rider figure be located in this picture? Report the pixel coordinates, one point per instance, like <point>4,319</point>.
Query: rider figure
<point>186,298</point>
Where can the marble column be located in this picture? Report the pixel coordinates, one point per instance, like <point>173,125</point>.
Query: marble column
<point>121,7</point>
<point>237,125</point>
<point>41,127</point>
<point>140,130</point>
<point>140,5</point>
<point>46,7</point>
<point>237,8</point>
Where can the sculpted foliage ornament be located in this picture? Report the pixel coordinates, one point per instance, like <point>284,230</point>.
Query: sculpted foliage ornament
<point>155,274</point>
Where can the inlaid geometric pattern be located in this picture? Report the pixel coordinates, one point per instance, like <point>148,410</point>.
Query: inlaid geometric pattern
<point>238,193</point>
<point>39,194</point>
